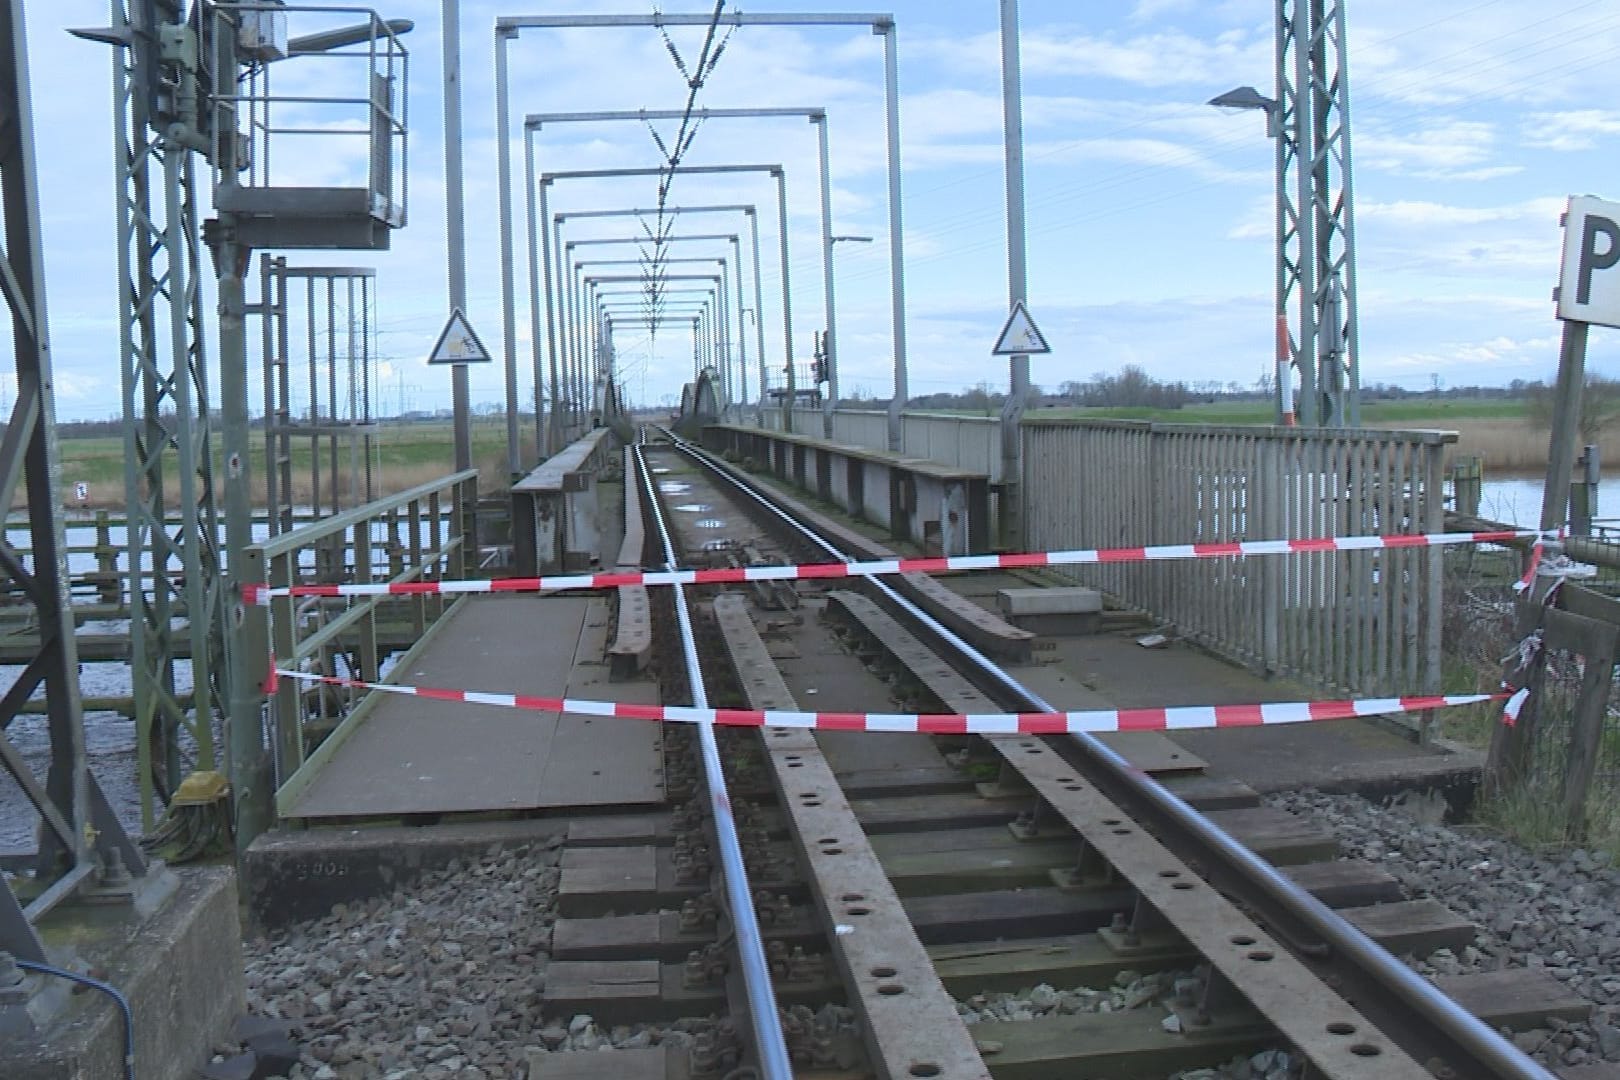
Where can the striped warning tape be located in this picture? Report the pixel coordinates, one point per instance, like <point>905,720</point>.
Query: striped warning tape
<point>262,594</point>
<point>1090,720</point>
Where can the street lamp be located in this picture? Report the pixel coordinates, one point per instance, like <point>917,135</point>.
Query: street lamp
<point>1247,97</point>
<point>829,343</point>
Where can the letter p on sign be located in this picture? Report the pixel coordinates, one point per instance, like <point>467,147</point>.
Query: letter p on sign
<point>1589,285</point>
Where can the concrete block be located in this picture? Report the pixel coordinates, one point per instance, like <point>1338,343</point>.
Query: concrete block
<point>179,965</point>
<point>1060,610</point>
<point>1063,600</point>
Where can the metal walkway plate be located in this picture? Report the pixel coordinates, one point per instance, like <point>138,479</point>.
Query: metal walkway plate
<point>419,756</point>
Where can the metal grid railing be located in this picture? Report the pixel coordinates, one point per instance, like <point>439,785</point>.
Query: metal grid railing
<point>1358,622</point>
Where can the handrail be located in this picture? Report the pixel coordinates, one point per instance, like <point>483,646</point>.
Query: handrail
<point>429,532</point>
<point>301,536</point>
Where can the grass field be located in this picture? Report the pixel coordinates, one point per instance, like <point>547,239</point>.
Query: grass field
<point>1421,413</point>
<point>405,455</point>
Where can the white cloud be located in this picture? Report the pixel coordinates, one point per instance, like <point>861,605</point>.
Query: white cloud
<point>1439,149</point>
<point>1405,214</point>
<point>1578,129</point>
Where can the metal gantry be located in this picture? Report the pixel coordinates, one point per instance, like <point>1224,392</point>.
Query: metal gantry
<point>82,847</point>
<point>753,223</point>
<point>1316,248</point>
<point>507,28</point>
<point>546,253</point>
<point>817,116</point>
<point>669,241</point>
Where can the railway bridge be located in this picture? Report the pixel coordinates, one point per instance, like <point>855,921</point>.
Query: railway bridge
<point>808,729</point>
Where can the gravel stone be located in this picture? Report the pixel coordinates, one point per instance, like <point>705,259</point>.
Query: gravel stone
<point>440,979</point>
<point>1556,910</point>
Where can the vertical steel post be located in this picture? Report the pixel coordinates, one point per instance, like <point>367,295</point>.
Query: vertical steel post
<point>567,293</point>
<point>1566,424</point>
<point>829,346</point>
<point>503,184</point>
<point>787,299</point>
<point>542,447</point>
<point>759,312</point>
<point>246,648</point>
<point>897,246</point>
<point>455,224</point>
<point>1351,320</point>
<point>554,442</point>
<point>1012,411</point>
<point>1303,266</point>
<point>570,359</point>
<point>742,331</point>
<point>1283,152</point>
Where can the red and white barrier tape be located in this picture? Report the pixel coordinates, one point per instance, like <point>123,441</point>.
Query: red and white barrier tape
<point>262,594</point>
<point>1091,720</point>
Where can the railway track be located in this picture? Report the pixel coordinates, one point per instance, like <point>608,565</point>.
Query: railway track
<point>848,899</point>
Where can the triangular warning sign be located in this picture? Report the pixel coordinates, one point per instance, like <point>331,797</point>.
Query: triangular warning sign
<point>1020,336</point>
<point>458,343</point>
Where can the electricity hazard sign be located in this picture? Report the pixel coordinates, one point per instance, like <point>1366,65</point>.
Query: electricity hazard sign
<point>458,343</point>
<point>1020,336</point>
<point>1589,286</point>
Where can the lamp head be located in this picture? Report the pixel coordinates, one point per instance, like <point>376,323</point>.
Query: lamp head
<point>1243,97</point>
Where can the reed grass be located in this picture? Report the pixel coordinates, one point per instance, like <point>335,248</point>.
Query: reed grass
<point>1509,446</point>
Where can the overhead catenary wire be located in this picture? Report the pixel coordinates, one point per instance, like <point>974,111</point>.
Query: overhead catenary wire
<point>675,150</point>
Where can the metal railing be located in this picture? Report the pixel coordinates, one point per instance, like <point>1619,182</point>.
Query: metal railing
<point>968,442</point>
<point>423,534</point>
<point>1359,622</point>
<point>320,137</point>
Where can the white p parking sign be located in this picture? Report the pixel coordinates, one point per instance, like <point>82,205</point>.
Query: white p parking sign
<point>1589,284</point>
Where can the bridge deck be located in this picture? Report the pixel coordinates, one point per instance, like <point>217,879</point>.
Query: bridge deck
<point>413,755</point>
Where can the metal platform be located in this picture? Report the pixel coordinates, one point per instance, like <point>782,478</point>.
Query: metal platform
<point>411,755</point>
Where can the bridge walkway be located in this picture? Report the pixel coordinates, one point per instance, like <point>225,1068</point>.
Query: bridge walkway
<point>412,755</point>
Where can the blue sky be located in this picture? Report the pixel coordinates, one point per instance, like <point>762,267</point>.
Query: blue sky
<point>1149,213</point>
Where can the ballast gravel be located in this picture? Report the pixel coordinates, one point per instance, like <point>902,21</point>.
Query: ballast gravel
<point>1558,911</point>
<point>441,979</point>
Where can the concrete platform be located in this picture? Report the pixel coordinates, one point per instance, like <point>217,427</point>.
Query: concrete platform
<point>180,966</point>
<point>413,756</point>
<point>1340,755</point>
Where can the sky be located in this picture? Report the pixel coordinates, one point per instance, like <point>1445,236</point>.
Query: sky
<point>1149,213</point>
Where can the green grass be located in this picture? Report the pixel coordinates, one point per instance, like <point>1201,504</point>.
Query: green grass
<point>405,455</point>
<point>1437,412</point>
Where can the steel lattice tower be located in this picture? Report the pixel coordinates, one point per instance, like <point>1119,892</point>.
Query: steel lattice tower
<point>173,563</point>
<point>1316,260</point>
<point>82,848</point>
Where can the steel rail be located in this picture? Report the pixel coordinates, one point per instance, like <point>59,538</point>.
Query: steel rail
<point>769,1041</point>
<point>1476,1049</point>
